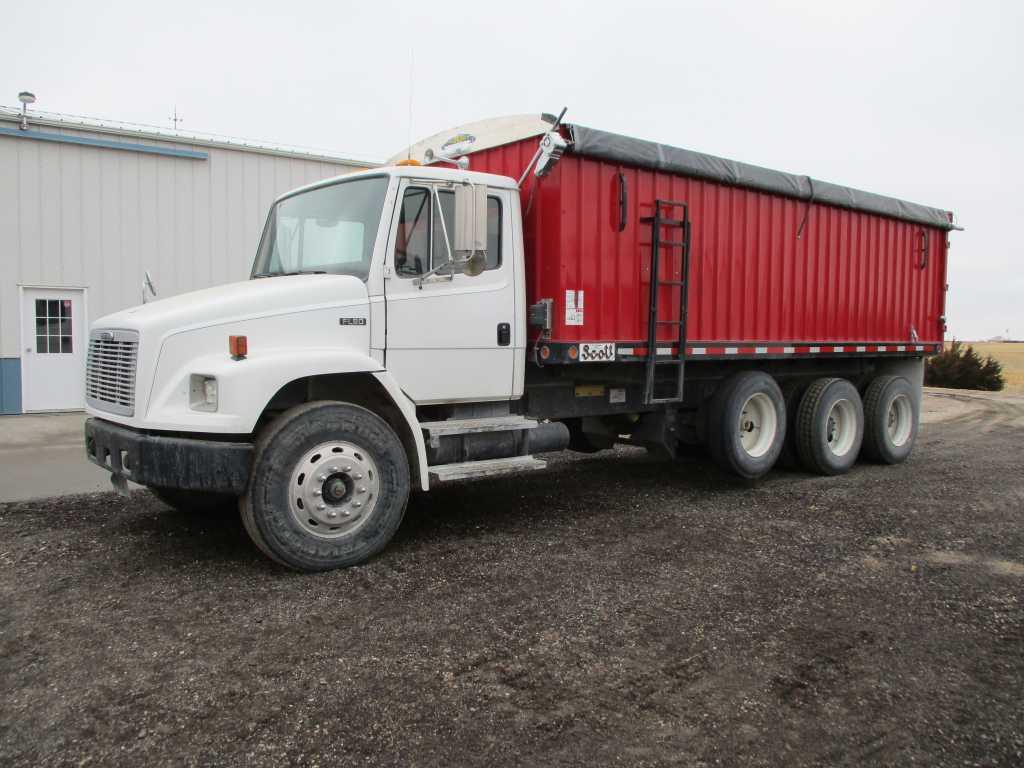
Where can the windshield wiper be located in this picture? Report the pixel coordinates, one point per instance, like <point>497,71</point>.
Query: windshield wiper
<point>296,272</point>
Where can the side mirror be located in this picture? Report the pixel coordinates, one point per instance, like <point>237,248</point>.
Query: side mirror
<point>471,227</point>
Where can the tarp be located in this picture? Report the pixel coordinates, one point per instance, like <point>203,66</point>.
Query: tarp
<point>662,157</point>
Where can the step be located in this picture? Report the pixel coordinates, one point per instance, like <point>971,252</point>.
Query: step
<point>484,424</point>
<point>662,222</point>
<point>465,470</point>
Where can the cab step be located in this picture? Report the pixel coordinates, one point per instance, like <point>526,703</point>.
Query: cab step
<point>443,473</point>
<point>437,429</point>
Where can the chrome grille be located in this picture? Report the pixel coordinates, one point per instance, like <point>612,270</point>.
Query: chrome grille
<point>110,371</point>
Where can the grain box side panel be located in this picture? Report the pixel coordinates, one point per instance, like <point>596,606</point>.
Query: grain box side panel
<point>764,269</point>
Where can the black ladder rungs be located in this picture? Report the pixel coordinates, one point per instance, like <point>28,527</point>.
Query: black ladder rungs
<point>663,238</point>
<point>662,222</point>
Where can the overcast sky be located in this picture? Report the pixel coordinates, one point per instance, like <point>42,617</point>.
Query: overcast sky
<point>920,100</point>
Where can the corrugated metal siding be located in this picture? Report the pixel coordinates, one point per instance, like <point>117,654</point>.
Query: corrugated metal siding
<point>848,277</point>
<point>84,216</point>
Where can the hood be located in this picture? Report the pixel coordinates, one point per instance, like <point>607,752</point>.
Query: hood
<point>237,301</point>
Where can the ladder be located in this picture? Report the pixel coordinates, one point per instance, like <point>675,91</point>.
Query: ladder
<point>676,237</point>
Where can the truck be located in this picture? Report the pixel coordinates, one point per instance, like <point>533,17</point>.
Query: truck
<point>507,289</point>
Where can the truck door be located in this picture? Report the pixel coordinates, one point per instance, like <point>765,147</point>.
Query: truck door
<point>450,338</point>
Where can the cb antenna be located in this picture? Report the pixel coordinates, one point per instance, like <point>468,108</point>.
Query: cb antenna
<point>409,135</point>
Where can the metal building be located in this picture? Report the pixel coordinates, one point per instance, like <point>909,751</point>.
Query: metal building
<point>88,207</point>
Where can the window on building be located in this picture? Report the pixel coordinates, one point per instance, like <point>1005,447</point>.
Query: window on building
<point>54,331</point>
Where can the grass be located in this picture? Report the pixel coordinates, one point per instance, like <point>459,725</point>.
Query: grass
<point>1010,355</point>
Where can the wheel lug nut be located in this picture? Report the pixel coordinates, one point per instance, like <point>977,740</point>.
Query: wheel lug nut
<point>357,476</point>
<point>332,514</point>
<point>356,504</point>
<point>362,490</point>
<point>321,506</point>
<point>322,478</point>
<point>317,493</point>
<point>346,513</point>
<point>348,469</point>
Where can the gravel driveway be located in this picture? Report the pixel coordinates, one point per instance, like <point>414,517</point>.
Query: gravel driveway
<point>610,610</point>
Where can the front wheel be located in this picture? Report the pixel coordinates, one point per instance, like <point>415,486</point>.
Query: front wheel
<point>328,488</point>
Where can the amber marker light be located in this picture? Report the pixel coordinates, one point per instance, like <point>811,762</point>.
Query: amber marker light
<point>573,353</point>
<point>408,161</point>
<point>238,346</point>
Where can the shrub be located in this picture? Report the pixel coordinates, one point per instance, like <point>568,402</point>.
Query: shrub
<point>961,367</point>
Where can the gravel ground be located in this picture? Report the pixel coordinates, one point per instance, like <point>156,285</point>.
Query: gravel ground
<point>611,610</point>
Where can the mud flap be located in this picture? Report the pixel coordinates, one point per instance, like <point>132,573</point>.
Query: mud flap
<point>119,483</point>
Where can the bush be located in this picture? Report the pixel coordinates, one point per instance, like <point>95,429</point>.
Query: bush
<point>960,367</point>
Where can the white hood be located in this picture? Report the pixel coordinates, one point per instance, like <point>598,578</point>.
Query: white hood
<point>235,301</point>
<point>186,334</point>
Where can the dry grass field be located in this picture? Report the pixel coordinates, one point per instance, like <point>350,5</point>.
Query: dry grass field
<point>1011,355</point>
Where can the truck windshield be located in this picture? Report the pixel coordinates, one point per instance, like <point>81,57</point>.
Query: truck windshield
<point>326,230</point>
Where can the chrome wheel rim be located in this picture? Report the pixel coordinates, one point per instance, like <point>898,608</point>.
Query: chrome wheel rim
<point>758,425</point>
<point>841,427</point>
<point>899,420</point>
<point>333,489</point>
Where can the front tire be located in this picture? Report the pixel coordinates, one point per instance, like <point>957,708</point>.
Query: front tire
<point>328,489</point>
<point>747,424</point>
<point>830,426</point>
<point>890,420</point>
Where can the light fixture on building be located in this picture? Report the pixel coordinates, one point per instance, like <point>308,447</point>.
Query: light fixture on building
<point>26,98</point>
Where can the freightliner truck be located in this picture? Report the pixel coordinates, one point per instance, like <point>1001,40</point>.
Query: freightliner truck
<point>510,288</point>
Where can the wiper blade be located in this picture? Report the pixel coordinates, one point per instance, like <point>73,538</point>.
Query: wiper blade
<point>296,272</point>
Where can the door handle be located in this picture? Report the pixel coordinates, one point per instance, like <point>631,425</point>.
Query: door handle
<point>504,334</point>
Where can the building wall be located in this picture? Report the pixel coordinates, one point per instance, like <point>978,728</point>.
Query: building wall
<point>98,217</point>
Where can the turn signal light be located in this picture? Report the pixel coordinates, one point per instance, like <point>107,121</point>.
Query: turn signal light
<point>238,346</point>
<point>408,161</point>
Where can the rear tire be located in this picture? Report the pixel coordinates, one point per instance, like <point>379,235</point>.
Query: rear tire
<point>747,424</point>
<point>890,420</point>
<point>195,502</point>
<point>328,489</point>
<point>830,426</point>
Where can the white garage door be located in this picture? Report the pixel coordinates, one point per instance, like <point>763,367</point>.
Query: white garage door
<point>53,350</point>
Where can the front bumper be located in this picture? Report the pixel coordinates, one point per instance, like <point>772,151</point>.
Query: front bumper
<point>168,462</point>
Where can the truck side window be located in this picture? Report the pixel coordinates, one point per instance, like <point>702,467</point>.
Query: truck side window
<point>440,252</point>
<point>412,249</point>
<point>420,244</point>
<point>493,233</point>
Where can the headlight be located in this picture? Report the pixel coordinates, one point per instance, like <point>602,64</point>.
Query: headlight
<point>203,392</point>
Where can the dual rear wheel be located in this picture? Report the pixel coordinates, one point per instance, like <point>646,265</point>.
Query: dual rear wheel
<point>824,427</point>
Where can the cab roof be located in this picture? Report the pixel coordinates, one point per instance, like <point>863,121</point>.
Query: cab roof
<point>418,172</point>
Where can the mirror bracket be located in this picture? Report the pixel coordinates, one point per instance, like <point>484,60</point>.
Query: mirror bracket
<point>469,254</point>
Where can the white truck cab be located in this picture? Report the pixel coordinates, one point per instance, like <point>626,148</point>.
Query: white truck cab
<point>387,290</point>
